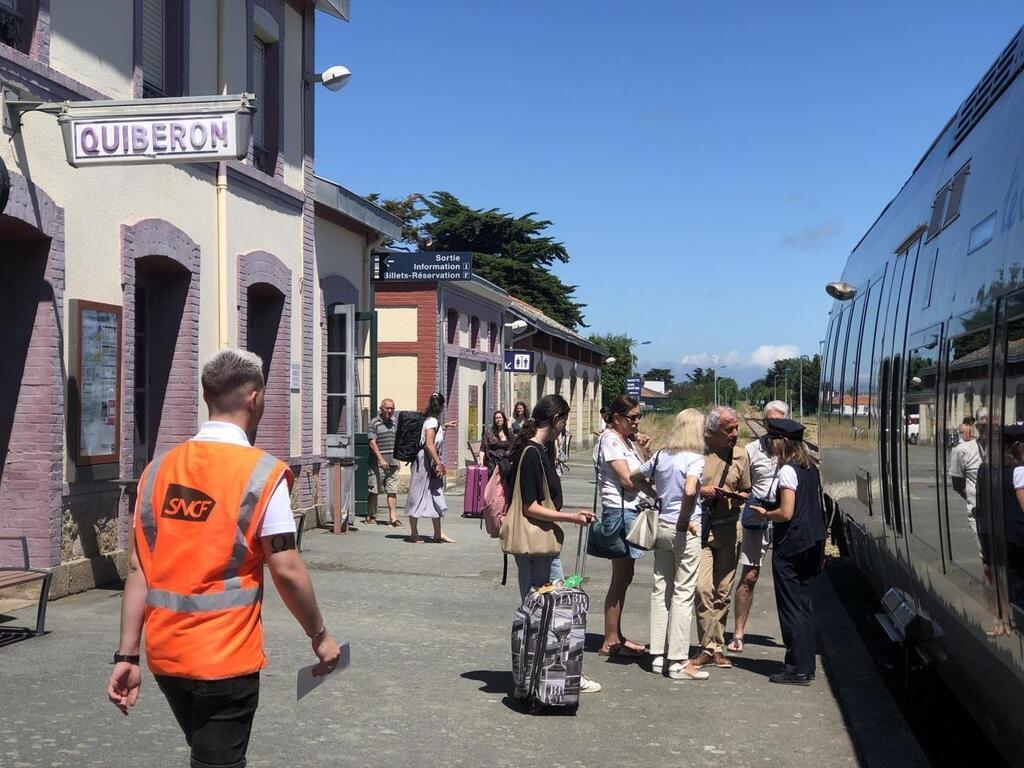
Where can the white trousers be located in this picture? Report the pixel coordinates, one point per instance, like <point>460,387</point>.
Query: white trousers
<point>676,557</point>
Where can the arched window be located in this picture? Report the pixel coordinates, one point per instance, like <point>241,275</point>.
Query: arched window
<point>474,332</point>
<point>453,325</point>
<point>492,334</point>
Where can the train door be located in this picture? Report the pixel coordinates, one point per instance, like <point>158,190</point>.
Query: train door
<point>1003,545</point>
<point>894,427</point>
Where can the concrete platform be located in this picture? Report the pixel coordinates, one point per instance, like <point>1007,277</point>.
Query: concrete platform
<point>429,628</point>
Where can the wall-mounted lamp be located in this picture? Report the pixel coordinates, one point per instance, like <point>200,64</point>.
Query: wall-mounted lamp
<point>841,291</point>
<point>332,78</point>
<point>516,325</point>
<point>609,360</point>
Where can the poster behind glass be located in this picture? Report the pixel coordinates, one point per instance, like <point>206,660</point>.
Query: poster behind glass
<point>98,376</point>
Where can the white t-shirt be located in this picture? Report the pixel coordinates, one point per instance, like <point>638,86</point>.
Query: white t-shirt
<point>964,460</point>
<point>278,517</point>
<point>670,482</point>
<point>431,423</point>
<point>611,447</point>
<point>762,470</point>
<point>788,478</point>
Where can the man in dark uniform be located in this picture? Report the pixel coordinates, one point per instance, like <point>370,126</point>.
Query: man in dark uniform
<point>798,548</point>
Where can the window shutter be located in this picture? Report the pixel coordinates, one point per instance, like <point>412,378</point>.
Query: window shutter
<point>154,36</point>
<point>259,79</point>
<point>956,194</point>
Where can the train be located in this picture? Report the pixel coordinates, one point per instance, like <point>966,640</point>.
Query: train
<point>921,406</point>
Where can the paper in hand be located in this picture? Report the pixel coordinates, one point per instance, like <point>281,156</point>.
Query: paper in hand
<point>306,681</point>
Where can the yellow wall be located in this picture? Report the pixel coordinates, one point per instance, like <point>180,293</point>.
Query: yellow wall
<point>293,98</point>
<point>396,377</point>
<point>396,324</point>
<point>91,42</point>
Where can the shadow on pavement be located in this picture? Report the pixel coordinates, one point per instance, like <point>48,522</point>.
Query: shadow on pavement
<point>762,640</point>
<point>494,680</point>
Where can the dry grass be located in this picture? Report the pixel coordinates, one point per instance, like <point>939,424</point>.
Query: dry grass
<point>658,426</point>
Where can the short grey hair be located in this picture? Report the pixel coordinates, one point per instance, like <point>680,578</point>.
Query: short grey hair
<point>225,375</point>
<point>716,415</point>
<point>778,406</point>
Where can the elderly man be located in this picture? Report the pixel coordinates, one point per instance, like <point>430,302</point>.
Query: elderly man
<point>383,476</point>
<point>725,485</point>
<point>755,540</point>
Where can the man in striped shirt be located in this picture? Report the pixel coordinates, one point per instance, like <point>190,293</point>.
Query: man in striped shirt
<point>383,467</point>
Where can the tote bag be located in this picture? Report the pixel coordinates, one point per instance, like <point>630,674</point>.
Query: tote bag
<point>644,530</point>
<point>522,535</point>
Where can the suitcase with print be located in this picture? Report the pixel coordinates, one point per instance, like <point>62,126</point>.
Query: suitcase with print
<point>476,482</point>
<point>549,631</point>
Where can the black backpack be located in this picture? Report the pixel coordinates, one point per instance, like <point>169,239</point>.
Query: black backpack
<point>407,435</point>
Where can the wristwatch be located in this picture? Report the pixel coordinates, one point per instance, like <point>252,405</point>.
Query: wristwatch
<point>131,658</point>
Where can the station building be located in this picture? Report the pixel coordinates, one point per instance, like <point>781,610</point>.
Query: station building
<point>565,364</point>
<point>118,280</point>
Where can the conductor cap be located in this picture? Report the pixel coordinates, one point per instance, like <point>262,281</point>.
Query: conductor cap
<point>788,428</point>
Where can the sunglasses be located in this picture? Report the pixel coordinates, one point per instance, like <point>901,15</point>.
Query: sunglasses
<point>637,417</point>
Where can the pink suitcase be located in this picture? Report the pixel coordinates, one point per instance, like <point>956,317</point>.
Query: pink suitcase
<point>473,501</point>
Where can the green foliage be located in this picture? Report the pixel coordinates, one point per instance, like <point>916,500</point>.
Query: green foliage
<point>698,391</point>
<point>614,375</point>
<point>661,374</point>
<point>783,382</point>
<point>510,251</point>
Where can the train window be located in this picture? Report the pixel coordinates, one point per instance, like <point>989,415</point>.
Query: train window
<point>925,279</point>
<point>851,404</point>
<point>867,382</point>
<point>966,427</point>
<point>938,211</point>
<point>982,233</point>
<point>920,431</point>
<point>956,195</point>
<point>1012,464</point>
<point>835,364</point>
<point>827,382</point>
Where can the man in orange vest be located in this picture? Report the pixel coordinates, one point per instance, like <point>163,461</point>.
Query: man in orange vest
<point>210,512</point>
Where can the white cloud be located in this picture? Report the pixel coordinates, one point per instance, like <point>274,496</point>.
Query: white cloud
<point>767,354</point>
<point>762,357</point>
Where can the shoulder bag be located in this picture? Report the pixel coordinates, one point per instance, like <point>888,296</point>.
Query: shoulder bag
<point>608,534</point>
<point>644,530</point>
<point>522,535</point>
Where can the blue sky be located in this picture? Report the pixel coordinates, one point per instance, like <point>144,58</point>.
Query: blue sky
<point>709,165</point>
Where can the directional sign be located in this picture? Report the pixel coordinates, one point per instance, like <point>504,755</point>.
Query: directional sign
<point>424,265</point>
<point>518,362</point>
<point>633,386</point>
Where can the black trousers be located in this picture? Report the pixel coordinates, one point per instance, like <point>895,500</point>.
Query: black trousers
<point>215,716</point>
<point>792,577</point>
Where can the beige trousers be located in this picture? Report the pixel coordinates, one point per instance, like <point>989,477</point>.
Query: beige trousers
<point>676,557</point>
<point>715,576</point>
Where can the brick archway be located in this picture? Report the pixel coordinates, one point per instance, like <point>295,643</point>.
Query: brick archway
<point>159,245</point>
<point>32,416</point>
<point>264,327</point>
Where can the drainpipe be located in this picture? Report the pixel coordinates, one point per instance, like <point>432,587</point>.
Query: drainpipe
<point>222,201</point>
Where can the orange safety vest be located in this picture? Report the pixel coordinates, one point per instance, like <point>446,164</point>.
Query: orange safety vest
<point>197,523</point>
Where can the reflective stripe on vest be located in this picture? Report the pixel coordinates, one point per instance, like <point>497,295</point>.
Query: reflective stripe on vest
<point>257,480</point>
<point>146,516</point>
<point>212,601</point>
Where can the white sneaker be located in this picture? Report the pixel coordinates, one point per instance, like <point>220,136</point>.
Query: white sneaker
<point>589,686</point>
<point>657,664</point>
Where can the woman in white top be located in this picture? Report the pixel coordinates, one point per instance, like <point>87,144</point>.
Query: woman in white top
<point>675,472</point>
<point>617,456</point>
<point>426,483</point>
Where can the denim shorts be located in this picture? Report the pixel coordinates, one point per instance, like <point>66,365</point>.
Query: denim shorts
<point>610,513</point>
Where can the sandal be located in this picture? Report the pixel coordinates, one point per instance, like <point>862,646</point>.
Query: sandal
<point>370,520</point>
<point>395,523</point>
<point>736,644</point>
<point>621,649</point>
<point>682,670</point>
<point>415,539</point>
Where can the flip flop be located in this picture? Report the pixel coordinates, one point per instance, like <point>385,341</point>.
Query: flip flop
<point>736,644</point>
<point>396,523</point>
<point>370,520</point>
<point>622,650</point>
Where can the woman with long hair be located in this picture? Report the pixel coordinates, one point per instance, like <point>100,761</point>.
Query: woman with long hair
<point>496,443</point>
<point>617,457</point>
<point>675,473</point>
<point>798,551</point>
<point>533,466</point>
<point>520,413</point>
<point>426,483</point>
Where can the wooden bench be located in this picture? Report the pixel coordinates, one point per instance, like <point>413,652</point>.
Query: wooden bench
<point>15,577</point>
